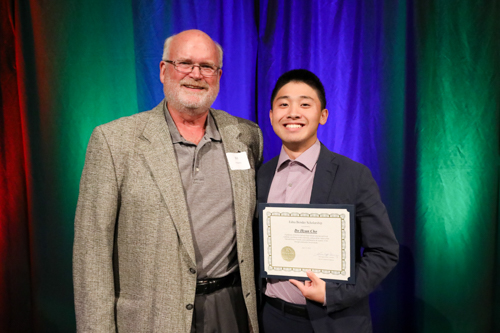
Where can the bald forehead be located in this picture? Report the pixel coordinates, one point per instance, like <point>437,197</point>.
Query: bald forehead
<point>193,42</point>
<point>188,34</point>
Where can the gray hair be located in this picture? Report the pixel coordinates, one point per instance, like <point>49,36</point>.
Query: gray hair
<point>168,41</point>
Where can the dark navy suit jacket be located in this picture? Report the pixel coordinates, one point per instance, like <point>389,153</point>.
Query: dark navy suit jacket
<point>340,180</point>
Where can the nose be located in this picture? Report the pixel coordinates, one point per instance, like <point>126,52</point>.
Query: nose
<point>196,72</point>
<point>293,112</point>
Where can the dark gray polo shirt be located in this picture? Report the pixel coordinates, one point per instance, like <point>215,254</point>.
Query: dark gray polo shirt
<point>207,188</point>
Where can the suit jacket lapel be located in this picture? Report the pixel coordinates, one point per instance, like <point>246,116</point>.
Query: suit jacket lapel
<point>266,175</point>
<point>157,148</point>
<point>229,132</point>
<point>324,176</point>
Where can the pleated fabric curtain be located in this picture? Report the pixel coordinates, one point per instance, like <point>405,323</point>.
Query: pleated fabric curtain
<point>413,91</point>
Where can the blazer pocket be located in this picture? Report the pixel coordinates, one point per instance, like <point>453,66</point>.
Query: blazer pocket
<point>131,313</point>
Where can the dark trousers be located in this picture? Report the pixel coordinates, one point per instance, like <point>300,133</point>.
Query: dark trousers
<point>276,321</point>
<point>223,311</point>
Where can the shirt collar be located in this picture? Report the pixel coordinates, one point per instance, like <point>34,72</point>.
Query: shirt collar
<point>211,131</point>
<point>308,158</point>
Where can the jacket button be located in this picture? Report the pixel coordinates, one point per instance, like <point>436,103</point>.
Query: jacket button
<point>189,306</point>
<point>241,261</point>
<point>192,270</point>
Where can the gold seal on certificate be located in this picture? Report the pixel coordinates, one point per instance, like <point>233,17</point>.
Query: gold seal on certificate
<point>298,238</point>
<point>287,253</point>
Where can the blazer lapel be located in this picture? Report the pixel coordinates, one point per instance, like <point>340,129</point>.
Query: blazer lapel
<point>157,148</point>
<point>265,178</point>
<point>324,176</point>
<point>229,132</point>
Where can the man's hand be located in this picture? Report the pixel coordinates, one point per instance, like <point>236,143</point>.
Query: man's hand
<point>315,290</point>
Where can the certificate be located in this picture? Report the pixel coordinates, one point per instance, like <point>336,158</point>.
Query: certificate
<point>295,238</point>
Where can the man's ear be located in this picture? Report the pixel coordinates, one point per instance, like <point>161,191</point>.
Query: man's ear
<point>271,116</point>
<point>324,116</point>
<point>163,69</point>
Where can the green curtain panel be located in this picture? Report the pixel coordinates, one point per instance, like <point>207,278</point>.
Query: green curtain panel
<point>457,166</point>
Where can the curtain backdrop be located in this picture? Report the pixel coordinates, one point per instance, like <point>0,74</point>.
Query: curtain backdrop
<point>413,90</point>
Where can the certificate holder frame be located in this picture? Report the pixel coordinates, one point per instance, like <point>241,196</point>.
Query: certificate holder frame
<point>344,217</point>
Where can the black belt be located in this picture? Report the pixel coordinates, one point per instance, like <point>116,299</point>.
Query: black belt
<point>208,286</point>
<point>290,308</point>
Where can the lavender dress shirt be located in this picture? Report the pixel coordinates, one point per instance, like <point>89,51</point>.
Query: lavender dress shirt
<point>292,183</point>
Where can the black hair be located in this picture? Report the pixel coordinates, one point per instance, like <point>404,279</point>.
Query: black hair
<point>304,76</point>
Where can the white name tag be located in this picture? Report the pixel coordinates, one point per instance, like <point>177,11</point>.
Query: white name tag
<point>238,161</point>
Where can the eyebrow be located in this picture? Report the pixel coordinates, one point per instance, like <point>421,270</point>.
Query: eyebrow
<point>300,97</point>
<point>201,63</point>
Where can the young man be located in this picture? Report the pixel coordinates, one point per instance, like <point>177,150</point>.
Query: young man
<point>307,172</point>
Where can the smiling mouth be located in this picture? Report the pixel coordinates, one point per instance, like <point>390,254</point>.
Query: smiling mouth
<point>293,125</point>
<point>194,87</point>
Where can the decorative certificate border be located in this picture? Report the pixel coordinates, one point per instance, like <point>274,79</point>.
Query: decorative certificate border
<point>344,271</point>
<point>270,267</point>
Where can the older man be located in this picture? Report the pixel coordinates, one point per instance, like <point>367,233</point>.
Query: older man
<point>163,224</point>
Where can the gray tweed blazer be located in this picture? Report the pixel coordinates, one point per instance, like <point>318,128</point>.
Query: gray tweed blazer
<point>133,250</point>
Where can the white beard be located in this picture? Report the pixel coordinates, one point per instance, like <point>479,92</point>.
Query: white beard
<point>192,103</point>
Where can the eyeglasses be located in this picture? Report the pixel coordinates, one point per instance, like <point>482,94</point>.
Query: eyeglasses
<point>187,67</point>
